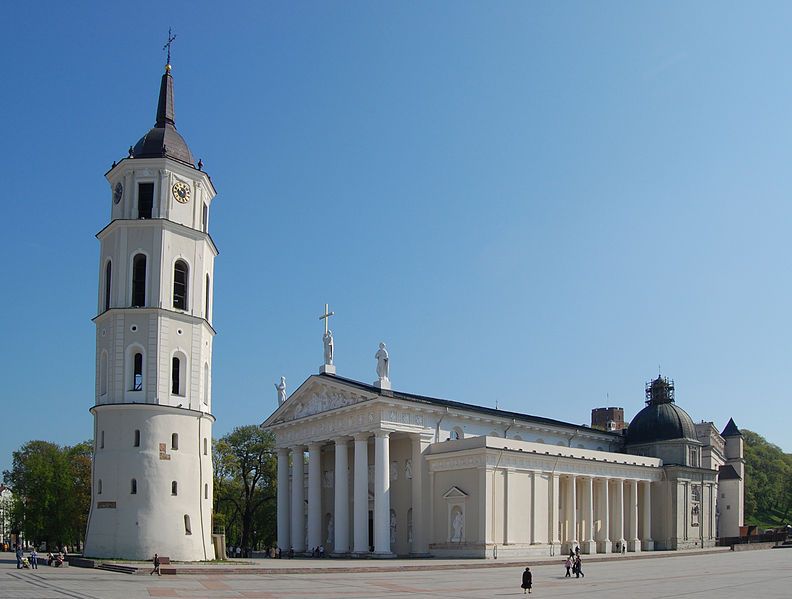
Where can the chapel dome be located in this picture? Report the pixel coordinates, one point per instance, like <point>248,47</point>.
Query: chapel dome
<point>163,140</point>
<point>661,419</point>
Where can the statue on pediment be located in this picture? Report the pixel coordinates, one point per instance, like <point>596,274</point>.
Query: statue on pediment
<point>281,388</point>
<point>383,362</point>
<point>328,348</point>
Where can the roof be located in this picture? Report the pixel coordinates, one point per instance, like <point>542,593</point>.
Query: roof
<point>163,140</point>
<point>727,472</point>
<point>731,430</point>
<point>465,406</point>
<point>660,422</point>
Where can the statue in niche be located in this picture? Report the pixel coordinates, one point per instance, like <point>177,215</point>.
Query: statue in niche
<point>383,364</point>
<point>457,524</point>
<point>408,469</point>
<point>392,527</point>
<point>328,347</point>
<point>394,471</point>
<point>281,388</point>
<point>330,530</point>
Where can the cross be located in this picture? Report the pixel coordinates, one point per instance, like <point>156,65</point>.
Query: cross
<point>326,316</point>
<point>168,45</point>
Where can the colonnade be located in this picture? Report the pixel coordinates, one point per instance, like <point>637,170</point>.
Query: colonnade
<point>292,505</point>
<point>601,515</point>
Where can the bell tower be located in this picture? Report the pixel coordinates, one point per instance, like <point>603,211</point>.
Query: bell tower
<point>152,472</point>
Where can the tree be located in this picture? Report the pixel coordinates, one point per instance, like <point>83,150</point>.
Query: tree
<point>52,491</point>
<point>246,484</point>
<point>768,484</point>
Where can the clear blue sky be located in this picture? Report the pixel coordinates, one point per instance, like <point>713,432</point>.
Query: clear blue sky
<point>534,203</point>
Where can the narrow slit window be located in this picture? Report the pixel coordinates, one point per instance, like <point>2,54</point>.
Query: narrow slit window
<point>108,281</point>
<point>137,438</point>
<point>174,488</point>
<point>175,441</point>
<point>99,487</point>
<point>101,443</point>
<point>206,303</point>
<point>137,372</point>
<point>187,527</point>
<point>139,281</point>
<point>206,490</point>
<point>175,376</point>
<point>205,218</point>
<point>206,446</point>
<point>180,276</point>
<point>145,200</point>
<point>133,489</point>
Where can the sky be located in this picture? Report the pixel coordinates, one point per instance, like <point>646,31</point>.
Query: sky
<point>539,204</point>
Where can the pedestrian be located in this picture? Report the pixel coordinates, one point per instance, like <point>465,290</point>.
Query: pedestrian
<point>568,566</point>
<point>579,568</point>
<point>527,580</point>
<point>577,551</point>
<point>156,566</point>
<point>34,559</point>
<point>19,553</point>
<point>624,548</point>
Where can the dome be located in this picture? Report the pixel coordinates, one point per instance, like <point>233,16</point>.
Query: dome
<point>163,140</point>
<point>661,419</point>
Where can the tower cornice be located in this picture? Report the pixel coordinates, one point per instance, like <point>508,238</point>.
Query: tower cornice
<point>159,222</point>
<point>189,318</point>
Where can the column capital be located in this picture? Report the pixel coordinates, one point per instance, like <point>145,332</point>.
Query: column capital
<point>362,436</point>
<point>341,440</point>
<point>315,446</point>
<point>297,448</point>
<point>382,433</point>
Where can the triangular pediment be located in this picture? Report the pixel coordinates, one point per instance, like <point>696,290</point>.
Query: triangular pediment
<point>454,493</point>
<point>315,396</point>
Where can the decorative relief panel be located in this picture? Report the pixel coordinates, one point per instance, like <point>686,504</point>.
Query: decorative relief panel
<point>322,400</point>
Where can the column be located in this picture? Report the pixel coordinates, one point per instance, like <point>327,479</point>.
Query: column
<point>382,493</point>
<point>589,545</point>
<point>314,495</point>
<point>420,543</point>
<point>634,544</point>
<point>283,498</point>
<point>618,513</point>
<point>646,511</point>
<point>535,509</point>
<point>360,495</point>
<point>604,544</point>
<point>570,511</point>
<point>555,493</point>
<point>298,499</point>
<point>341,499</point>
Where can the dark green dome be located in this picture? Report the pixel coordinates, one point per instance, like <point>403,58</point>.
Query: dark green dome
<point>661,419</point>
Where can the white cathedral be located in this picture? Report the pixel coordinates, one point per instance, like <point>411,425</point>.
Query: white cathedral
<point>388,473</point>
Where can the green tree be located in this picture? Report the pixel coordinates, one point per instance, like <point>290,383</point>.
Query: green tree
<point>52,488</point>
<point>768,484</point>
<point>245,485</point>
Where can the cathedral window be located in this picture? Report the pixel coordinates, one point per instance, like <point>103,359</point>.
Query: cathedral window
<point>139,281</point>
<point>206,490</point>
<point>175,376</point>
<point>101,442</point>
<point>205,218</point>
<point>145,200</point>
<point>133,487</point>
<point>108,280</point>
<point>206,303</point>
<point>175,441</point>
<point>180,277</point>
<point>137,372</point>
<point>206,446</point>
<point>174,488</point>
<point>137,438</point>
<point>99,487</point>
<point>187,527</point>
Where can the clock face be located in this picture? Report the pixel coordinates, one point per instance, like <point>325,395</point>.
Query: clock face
<point>181,192</point>
<point>118,191</point>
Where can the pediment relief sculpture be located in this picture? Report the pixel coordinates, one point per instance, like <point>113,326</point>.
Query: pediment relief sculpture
<point>318,400</point>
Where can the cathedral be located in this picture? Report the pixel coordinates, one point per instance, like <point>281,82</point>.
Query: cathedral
<point>397,474</point>
<point>388,473</point>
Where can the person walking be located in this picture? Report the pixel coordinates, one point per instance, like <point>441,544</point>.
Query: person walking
<point>568,566</point>
<point>579,568</point>
<point>527,581</point>
<point>156,566</point>
<point>33,559</point>
<point>19,553</point>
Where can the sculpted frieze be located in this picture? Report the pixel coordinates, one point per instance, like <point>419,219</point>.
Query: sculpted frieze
<point>321,400</point>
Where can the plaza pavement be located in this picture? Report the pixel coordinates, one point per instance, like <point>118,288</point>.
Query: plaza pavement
<point>764,574</point>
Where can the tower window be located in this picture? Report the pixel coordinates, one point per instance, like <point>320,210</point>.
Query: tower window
<point>180,272</point>
<point>145,199</point>
<point>175,374</point>
<point>206,446</point>
<point>174,488</point>
<point>137,372</point>
<point>101,442</point>
<point>133,487</point>
<point>175,441</point>
<point>187,527</point>
<point>139,281</point>
<point>108,280</point>
<point>99,487</point>
<point>205,218</point>
<point>206,490</point>
<point>137,438</point>
<point>206,303</point>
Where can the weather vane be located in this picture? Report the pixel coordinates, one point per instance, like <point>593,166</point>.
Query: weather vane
<point>167,46</point>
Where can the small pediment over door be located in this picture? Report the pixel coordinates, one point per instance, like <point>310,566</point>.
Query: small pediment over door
<point>454,493</point>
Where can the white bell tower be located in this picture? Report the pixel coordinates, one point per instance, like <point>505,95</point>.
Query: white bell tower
<point>152,472</point>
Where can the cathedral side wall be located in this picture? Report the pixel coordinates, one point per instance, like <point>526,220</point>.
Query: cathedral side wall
<point>468,481</point>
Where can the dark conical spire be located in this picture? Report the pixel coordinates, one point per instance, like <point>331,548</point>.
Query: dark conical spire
<point>165,112</point>
<point>731,430</point>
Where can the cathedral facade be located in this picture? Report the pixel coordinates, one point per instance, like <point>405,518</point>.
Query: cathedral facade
<point>397,474</point>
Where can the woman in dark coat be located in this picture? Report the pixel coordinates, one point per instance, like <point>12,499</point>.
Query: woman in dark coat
<point>526,581</point>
